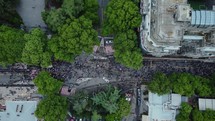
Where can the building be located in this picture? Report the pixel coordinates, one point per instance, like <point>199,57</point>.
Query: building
<point>172,27</point>
<point>67,91</point>
<point>19,111</point>
<point>206,104</point>
<point>163,107</point>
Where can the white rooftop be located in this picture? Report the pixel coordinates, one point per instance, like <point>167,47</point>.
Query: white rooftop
<point>163,107</point>
<point>206,104</point>
<point>176,99</point>
<point>19,111</point>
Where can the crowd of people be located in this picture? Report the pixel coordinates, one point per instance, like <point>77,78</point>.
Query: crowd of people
<point>87,67</point>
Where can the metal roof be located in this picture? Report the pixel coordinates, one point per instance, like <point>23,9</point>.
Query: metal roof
<point>206,104</point>
<point>192,37</point>
<point>203,18</point>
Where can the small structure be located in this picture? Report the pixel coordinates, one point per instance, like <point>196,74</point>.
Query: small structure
<point>183,12</point>
<point>163,107</point>
<point>66,91</point>
<point>109,50</point>
<point>206,104</point>
<point>19,111</point>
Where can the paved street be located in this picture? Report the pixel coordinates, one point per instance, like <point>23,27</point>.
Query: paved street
<point>86,67</point>
<point>30,12</point>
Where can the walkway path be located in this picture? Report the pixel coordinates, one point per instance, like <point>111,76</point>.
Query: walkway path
<point>30,12</point>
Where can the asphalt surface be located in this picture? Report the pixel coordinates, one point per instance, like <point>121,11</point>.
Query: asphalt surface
<point>85,67</point>
<point>30,12</point>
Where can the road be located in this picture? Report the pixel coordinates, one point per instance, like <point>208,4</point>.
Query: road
<point>30,12</point>
<point>85,67</point>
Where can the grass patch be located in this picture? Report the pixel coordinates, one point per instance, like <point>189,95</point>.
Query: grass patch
<point>197,4</point>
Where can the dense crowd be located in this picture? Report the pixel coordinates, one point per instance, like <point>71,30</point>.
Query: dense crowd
<point>87,67</point>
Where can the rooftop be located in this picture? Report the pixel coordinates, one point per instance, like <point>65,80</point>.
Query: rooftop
<point>163,107</point>
<point>19,111</point>
<point>206,104</point>
<point>169,25</point>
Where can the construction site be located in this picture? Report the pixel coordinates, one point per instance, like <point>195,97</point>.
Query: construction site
<point>173,27</point>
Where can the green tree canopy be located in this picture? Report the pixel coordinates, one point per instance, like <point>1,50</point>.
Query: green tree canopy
<point>124,109</point>
<point>181,83</point>
<point>125,41</point>
<point>212,84</point>
<point>79,102</point>
<point>46,84</point>
<point>74,38</point>
<point>121,15</point>
<point>160,84</point>
<point>96,116</point>
<point>131,59</point>
<point>35,51</point>
<point>187,84</point>
<point>184,84</point>
<point>107,99</point>
<point>197,115</point>
<point>54,18</point>
<point>12,44</point>
<point>73,7</point>
<point>52,108</point>
<point>184,112</point>
<point>203,87</point>
<point>91,10</point>
<point>207,115</point>
<point>8,12</point>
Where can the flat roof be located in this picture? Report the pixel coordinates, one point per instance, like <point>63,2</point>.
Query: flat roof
<point>176,99</point>
<point>19,111</point>
<point>206,104</point>
<point>158,107</point>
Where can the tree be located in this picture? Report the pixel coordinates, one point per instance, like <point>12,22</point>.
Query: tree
<point>209,115</point>
<point>73,8</point>
<point>131,59</point>
<point>212,84</point>
<point>160,84</point>
<point>184,112</point>
<point>8,13</point>
<point>183,84</point>
<point>35,51</point>
<point>197,115</point>
<point>187,84</point>
<point>91,10</point>
<point>121,15</point>
<point>124,109</point>
<point>52,108</point>
<point>95,116</point>
<point>55,18</point>
<point>125,41</point>
<point>74,38</point>
<point>12,43</point>
<point>79,102</point>
<point>110,117</point>
<point>46,84</point>
<point>107,99</point>
<point>203,86</point>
